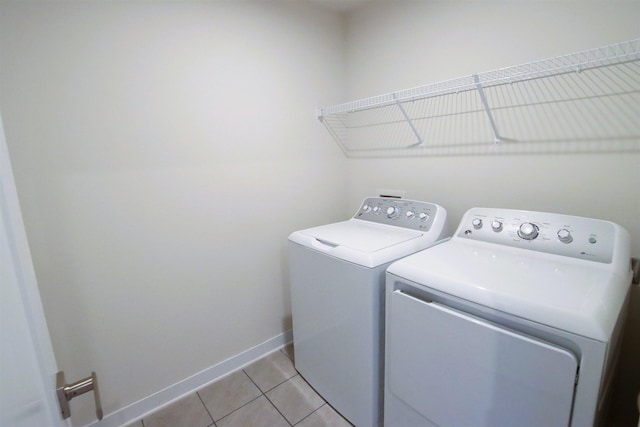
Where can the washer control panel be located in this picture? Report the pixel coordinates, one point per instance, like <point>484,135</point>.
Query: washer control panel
<point>412,214</point>
<point>573,236</point>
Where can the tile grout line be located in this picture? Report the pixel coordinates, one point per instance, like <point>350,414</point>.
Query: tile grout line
<point>312,412</point>
<point>298,374</point>
<point>323,399</point>
<point>206,409</point>
<point>240,407</point>
<point>264,393</point>
<point>276,408</point>
<point>237,409</point>
<point>255,398</point>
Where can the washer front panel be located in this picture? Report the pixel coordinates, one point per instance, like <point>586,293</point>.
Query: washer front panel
<point>337,331</point>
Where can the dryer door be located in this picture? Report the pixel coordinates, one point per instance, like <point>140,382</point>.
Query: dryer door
<point>458,370</point>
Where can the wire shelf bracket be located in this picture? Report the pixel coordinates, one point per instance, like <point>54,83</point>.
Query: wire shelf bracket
<point>496,135</point>
<point>408,119</point>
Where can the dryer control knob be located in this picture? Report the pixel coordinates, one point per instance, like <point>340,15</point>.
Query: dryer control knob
<point>366,208</point>
<point>496,226</point>
<point>392,211</point>
<point>565,236</point>
<point>376,209</point>
<point>410,214</point>
<point>477,223</point>
<point>528,231</point>
<point>423,216</point>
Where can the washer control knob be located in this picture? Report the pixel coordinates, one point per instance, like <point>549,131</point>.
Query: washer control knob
<point>376,209</point>
<point>496,226</point>
<point>565,236</point>
<point>392,211</point>
<point>410,215</point>
<point>477,223</point>
<point>423,216</point>
<point>528,231</point>
<point>366,208</point>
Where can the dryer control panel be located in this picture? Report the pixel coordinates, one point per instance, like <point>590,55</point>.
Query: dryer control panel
<point>578,237</point>
<point>405,213</point>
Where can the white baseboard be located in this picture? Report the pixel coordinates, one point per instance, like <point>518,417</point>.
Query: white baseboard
<point>139,409</point>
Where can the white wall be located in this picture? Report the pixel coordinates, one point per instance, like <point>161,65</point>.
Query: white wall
<point>399,45</point>
<point>163,152</point>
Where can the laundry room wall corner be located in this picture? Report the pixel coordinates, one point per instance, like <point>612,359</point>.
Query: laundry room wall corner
<point>163,153</point>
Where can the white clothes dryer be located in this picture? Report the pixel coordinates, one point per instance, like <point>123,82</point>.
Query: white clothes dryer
<point>337,274</point>
<point>515,321</point>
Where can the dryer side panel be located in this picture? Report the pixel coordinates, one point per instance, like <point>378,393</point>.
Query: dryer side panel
<point>458,370</point>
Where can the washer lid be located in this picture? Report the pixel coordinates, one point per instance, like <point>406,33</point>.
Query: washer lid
<point>361,236</point>
<point>362,242</point>
<point>573,295</point>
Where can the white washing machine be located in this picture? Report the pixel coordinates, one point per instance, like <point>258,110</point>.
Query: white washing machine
<point>515,321</point>
<point>337,274</point>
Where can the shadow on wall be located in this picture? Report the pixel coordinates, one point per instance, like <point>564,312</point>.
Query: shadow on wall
<point>625,404</point>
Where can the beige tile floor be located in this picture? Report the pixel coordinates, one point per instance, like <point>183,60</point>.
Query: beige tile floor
<point>267,393</point>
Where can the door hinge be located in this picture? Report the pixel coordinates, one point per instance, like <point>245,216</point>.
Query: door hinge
<point>66,392</point>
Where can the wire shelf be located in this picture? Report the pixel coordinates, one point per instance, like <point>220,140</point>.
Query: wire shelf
<point>570,102</point>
